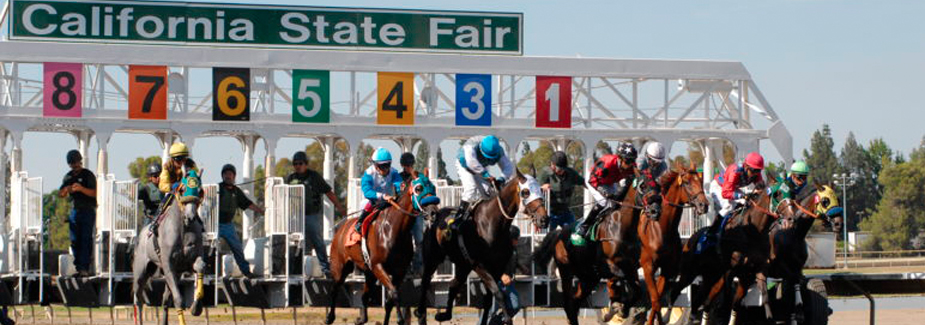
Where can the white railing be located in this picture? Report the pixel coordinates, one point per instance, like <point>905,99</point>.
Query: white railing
<point>288,210</point>
<point>690,222</point>
<point>26,203</point>
<point>208,210</point>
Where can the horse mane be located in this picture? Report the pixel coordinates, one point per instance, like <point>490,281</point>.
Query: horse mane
<point>669,176</point>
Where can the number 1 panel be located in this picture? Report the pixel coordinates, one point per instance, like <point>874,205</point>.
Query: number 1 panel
<point>62,89</point>
<point>147,92</point>
<point>553,102</point>
<point>473,99</point>
<point>395,92</point>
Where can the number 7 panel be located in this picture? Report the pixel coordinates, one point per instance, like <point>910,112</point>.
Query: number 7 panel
<point>147,92</point>
<point>553,102</point>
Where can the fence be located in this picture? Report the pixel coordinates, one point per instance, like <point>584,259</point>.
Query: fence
<point>208,210</point>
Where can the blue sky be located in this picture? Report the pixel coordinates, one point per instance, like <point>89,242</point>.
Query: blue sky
<point>856,65</point>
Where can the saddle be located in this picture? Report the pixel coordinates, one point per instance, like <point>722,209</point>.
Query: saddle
<point>352,236</point>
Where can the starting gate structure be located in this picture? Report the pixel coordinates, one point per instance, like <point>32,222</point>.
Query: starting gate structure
<point>24,277</point>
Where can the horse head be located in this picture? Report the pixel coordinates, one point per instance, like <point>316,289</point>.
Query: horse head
<point>826,206</point>
<point>424,196</point>
<point>692,183</point>
<point>530,196</point>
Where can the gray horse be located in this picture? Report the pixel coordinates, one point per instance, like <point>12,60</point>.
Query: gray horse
<point>179,251</point>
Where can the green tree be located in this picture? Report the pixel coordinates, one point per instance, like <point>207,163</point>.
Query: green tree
<point>900,214</point>
<point>260,175</point>
<point>865,193</point>
<point>138,168</point>
<point>821,156</point>
<point>55,211</point>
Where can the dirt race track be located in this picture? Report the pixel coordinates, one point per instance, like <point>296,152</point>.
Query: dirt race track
<point>313,316</point>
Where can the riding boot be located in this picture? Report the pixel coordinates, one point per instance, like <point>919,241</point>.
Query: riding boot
<point>359,224</point>
<point>581,231</point>
<point>462,214</point>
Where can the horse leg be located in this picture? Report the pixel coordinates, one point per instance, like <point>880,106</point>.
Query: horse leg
<point>568,296</point>
<point>462,271</point>
<point>200,292</point>
<point>367,298</point>
<point>492,285</point>
<point>433,256</point>
<point>648,270</point>
<point>165,303</point>
<point>339,271</point>
<point>389,303</point>
<point>741,288</point>
<point>141,274</point>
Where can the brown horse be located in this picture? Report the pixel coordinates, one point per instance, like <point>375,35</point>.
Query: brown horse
<point>745,252</point>
<point>661,242</point>
<point>788,241</point>
<point>481,244</point>
<point>613,256</point>
<point>390,252</point>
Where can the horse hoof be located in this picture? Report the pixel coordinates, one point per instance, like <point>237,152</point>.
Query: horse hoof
<point>196,309</point>
<point>418,313</point>
<point>329,320</point>
<point>442,316</point>
<point>359,321</point>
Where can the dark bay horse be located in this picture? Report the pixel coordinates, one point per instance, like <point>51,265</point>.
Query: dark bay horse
<point>788,241</point>
<point>485,242</point>
<point>389,247</point>
<point>661,242</point>
<point>613,256</point>
<point>743,261</point>
<point>179,250</point>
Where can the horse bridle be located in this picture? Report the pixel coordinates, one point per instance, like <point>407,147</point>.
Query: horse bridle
<point>691,197</point>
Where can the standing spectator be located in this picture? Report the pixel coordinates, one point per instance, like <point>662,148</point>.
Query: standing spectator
<point>560,180</point>
<point>80,185</point>
<point>315,187</point>
<point>149,195</point>
<point>230,199</point>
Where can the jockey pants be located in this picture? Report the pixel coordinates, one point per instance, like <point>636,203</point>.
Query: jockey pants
<point>471,184</point>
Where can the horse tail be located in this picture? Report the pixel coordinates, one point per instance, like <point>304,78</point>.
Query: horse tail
<point>547,248</point>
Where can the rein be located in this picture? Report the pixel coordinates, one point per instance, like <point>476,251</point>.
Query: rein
<point>763,210</point>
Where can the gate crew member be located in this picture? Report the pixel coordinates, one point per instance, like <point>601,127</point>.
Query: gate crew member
<point>230,199</point>
<point>80,186</point>
<point>560,180</point>
<point>315,186</point>
<point>149,194</point>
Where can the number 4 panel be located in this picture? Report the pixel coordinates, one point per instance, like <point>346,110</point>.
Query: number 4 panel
<point>395,92</point>
<point>147,93</point>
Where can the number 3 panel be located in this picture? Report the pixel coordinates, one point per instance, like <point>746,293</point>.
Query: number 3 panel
<point>62,89</point>
<point>147,93</point>
<point>553,102</point>
<point>473,99</point>
<point>231,92</point>
<point>395,92</point>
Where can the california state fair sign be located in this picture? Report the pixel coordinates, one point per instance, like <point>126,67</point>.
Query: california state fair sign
<point>267,26</point>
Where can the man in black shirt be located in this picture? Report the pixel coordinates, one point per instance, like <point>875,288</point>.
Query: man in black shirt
<point>230,199</point>
<point>149,195</point>
<point>315,187</point>
<point>80,186</point>
<point>560,180</point>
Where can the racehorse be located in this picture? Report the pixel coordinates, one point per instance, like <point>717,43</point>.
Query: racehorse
<point>613,255</point>
<point>481,244</point>
<point>788,241</point>
<point>389,248</point>
<point>661,242</point>
<point>743,260</point>
<point>178,249</point>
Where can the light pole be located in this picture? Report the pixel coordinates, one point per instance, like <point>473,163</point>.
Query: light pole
<point>844,180</point>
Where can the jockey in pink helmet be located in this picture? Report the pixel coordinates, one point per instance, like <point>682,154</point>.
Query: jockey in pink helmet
<point>731,189</point>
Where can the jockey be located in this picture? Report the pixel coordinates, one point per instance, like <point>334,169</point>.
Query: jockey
<point>651,166</point>
<point>790,187</point>
<point>608,181</point>
<point>172,173</point>
<point>473,160</point>
<point>380,184</point>
<point>731,189</point>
